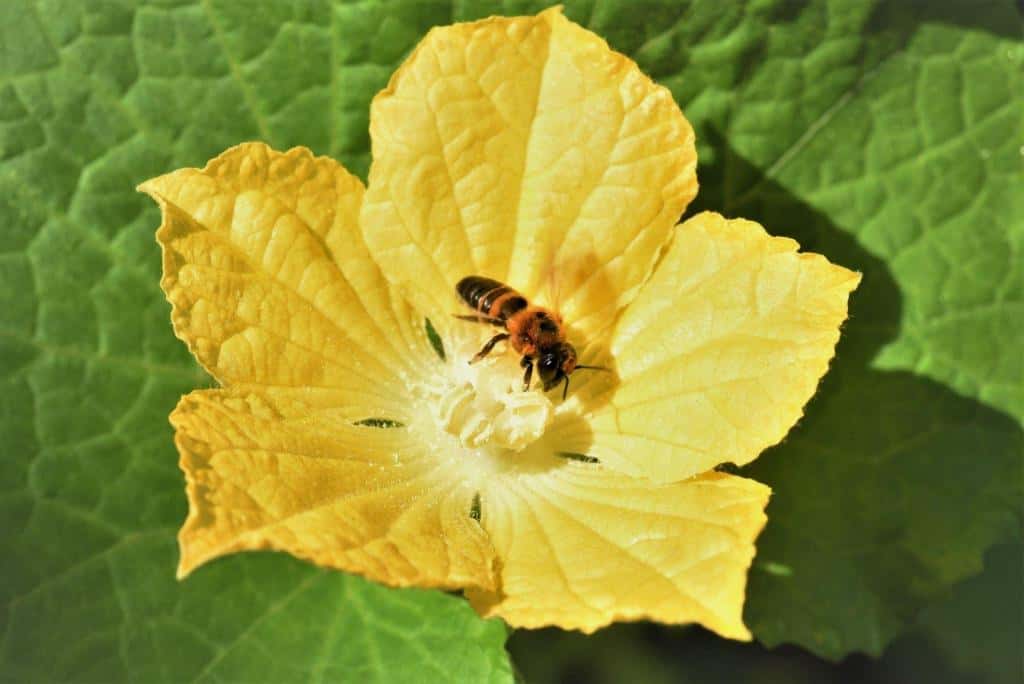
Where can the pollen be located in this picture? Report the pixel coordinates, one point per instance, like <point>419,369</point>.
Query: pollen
<point>484,404</point>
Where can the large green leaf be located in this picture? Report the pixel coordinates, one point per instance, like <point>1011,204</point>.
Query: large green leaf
<point>883,134</point>
<point>97,97</point>
<point>981,623</point>
<point>900,475</point>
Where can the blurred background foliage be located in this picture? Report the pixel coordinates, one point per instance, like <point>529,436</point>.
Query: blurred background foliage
<point>886,134</point>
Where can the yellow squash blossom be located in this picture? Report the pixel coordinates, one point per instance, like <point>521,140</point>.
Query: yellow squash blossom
<point>348,432</point>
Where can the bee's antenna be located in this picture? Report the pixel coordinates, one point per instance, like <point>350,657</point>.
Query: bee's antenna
<point>565,392</point>
<point>597,368</point>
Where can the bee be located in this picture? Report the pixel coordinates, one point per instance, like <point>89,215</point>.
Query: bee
<point>533,331</point>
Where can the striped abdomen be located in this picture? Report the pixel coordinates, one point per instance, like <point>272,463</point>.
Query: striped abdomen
<point>490,298</point>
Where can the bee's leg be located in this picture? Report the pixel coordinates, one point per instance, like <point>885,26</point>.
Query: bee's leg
<point>489,346</point>
<point>481,319</point>
<point>527,363</point>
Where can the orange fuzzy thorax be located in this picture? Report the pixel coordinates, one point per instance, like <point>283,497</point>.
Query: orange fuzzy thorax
<point>534,329</point>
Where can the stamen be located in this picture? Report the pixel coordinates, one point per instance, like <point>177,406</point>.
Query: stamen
<point>484,404</point>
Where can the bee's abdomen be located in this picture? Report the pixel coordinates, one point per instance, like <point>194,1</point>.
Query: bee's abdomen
<point>490,297</point>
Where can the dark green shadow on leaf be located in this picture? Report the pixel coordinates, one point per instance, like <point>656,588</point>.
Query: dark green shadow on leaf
<point>889,489</point>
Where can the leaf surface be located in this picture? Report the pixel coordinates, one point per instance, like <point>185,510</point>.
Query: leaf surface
<point>887,141</point>
<point>97,98</point>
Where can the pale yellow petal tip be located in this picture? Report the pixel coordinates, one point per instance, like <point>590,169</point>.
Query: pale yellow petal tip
<point>232,162</point>
<point>154,188</point>
<point>853,277</point>
<point>713,221</point>
<point>194,554</point>
<point>186,562</point>
<point>256,150</point>
<point>185,568</point>
<point>488,606</point>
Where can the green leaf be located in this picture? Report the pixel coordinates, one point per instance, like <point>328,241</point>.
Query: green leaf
<point>979,625</point>
<point>887,136</point>
<point>973,635</point>
<point>905,468</point>
<point>97,97</point>
<point>883,134</point>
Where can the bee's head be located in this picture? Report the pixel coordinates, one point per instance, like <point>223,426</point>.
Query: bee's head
<point>556,363</point>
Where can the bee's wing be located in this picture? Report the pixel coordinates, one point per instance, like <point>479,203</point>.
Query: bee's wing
<point>553,285</point>
<point>566,274</point>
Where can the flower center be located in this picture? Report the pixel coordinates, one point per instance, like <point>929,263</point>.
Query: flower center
<point>483,404</point>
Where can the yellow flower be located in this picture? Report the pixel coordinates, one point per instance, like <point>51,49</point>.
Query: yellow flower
<point>525,150</point>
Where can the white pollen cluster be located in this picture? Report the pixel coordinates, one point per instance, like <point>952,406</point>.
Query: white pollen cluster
<point>484,404</point>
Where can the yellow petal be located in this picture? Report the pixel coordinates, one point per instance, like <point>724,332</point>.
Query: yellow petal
<point>285,471</point>
<point>524,149</point>
<point>270,281</point>
<point>582,546</point>
<point>717,355</point>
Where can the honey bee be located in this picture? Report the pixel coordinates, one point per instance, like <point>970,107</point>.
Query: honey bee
<point>533,331</point>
